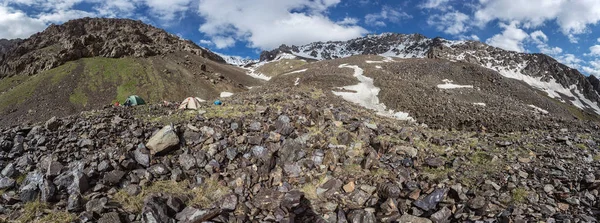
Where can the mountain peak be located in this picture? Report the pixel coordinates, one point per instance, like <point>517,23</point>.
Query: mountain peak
<point>93,37</point>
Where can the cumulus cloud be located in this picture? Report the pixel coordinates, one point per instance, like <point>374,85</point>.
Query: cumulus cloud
<point>16,24</point>
<point>452,23</point>
<point>510,39</point>
<point>594,50</point>
<point>593,68</point>
<point>570,60</point>
<point>387,14</point>
<point>572,16</point>
<point>266,24</point>
<point>540,39</point>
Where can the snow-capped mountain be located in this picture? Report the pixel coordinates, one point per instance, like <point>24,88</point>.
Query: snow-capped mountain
<point>237,60</point>
<point>540,71</point>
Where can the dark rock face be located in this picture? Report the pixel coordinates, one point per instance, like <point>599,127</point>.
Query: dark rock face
<point>91,37</point>
<point>7,44</point>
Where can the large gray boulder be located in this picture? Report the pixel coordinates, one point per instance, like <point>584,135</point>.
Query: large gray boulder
<point>163,141</point>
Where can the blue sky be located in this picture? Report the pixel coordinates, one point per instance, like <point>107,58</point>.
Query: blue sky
<point>564,29</point>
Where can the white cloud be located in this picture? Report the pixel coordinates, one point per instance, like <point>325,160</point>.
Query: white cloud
<point>570,60</point>
<point>435,4</point>
<point>266,24</point>
<point>471,37</point>
<point>64,15</point>
<point>539,37</point>
<point>206,42</point>
<point>223,42</point>
<point>593,68</point>
<point>348,21</point>
<point>598,40</point>
<point>16,24</point>
<point>510,39</point>
<point>594,50</point>
<point>541,41</point>
<point>572,16</point>
<point>168,10</point>
<point>386,14</point>
<point>453,23</point>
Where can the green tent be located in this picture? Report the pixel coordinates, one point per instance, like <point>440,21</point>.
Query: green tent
<point>134,100</point>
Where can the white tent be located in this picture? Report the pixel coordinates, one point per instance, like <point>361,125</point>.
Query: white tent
<point>191,103</point>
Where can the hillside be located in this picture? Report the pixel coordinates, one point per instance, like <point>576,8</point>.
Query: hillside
<point>537,70</point>
<point>90,63</point>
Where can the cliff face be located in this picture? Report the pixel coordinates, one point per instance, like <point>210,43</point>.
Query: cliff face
<point>93,37</point>
<point>8,44</point>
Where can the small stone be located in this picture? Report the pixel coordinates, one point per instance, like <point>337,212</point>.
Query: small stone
<point>142,155</point>
<point>477,203</point>
<point>133,189</point>
<point>255,126</point>
<point>441,216</point>
<point>494,185</point>
<point>349,187</point>
<point>548,188</point>
<point>158,169</point>
<point>414,195</point>
<point>413,219</point>
<point>434,162</point>
<point>563,207</point>
<point>54,169</point>
<point>74,203</point>
<point>229,202</point>
<point>412,152</point>
<point>111,217</point>
<point>190,214</point>
<point>187,161</point>
<point>96,205</point>
<point>6,183</point>
<point>524,159</point>
<point>113,177</point>
<point>431,200</point>
<point>52,124</point>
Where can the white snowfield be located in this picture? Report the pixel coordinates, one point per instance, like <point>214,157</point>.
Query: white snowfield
<point>296,71</point>
<point>252,70</point>
<point>378,67</point>
<point>366,95</point>
<point>480,104</point>
<point>226,94</point>
<point>297,82</point>
<point>538,109</point>
<point>386,59</point>
<point>449,85</point>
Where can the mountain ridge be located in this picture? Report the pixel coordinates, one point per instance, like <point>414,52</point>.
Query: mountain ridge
<point>93,37</point>
<point>538,70</point>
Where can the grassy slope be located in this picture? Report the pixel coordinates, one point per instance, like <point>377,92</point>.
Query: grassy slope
<point>103,80</point>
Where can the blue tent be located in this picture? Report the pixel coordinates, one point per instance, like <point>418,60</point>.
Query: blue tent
<point>218,102</point>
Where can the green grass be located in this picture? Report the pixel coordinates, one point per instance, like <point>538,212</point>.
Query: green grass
<point>26,86</point>
<point>78,98</point>
<point>30,210</point>
<point>203,195</point>
<point>519,195</point>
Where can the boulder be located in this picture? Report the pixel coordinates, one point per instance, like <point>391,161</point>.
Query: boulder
<point>163,141</point>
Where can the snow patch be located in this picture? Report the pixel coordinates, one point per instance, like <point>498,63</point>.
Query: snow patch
<point>365,94</point>
<point>226,94</point>
<point>538,109</point>
<point>378,67</point>
<point>297,82</point>
<point>449,85</point>
<point>297,71</point>
<point>480,104</point>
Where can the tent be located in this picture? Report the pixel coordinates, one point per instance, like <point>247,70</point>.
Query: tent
<point>134,100</point>
<point>191,103</point>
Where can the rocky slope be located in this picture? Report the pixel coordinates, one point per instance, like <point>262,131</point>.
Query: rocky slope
<point>539,71</point>
<point>93,37</point>
<point>8,44</point>
<point>300,156</point>
<point>88,63</point>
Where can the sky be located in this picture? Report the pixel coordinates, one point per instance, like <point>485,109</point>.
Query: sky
<point>564,29</point>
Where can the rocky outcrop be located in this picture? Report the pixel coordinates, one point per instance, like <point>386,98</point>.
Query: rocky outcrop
<point>93,37</point>
<point>7,44</point>
<point>594,82</point>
